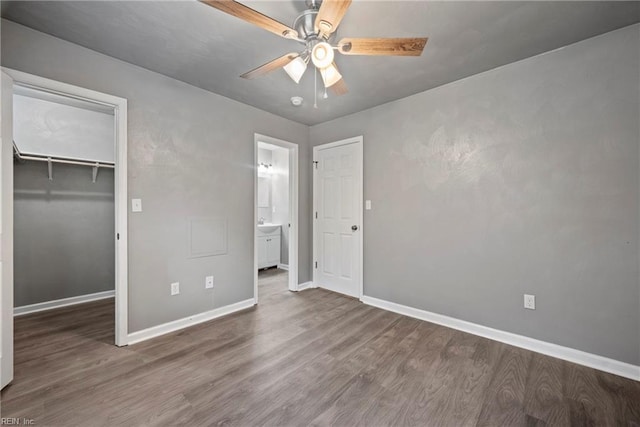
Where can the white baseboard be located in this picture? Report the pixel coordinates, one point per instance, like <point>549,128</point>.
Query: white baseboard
<point>305,285</point>
<point>595,361</point>
<point>50,305</point>
<point>165,328</point>
<point>283,267</point>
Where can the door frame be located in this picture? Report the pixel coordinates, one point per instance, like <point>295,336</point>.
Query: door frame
<point>293,209</point>
<point>119,106</point>
<point>359,143</point>
<point>6,234</point>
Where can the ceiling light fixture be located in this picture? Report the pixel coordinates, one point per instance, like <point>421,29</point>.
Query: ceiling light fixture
<point>316,29</point>
<point>330,75</point>
<point>322,55</point>
<point>296,68</point>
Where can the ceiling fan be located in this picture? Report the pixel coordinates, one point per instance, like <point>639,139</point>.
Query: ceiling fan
<point>315,28</point>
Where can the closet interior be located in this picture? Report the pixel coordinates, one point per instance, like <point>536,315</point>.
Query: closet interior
<point>64,216</point>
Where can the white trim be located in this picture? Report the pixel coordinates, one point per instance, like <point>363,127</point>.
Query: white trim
<point>64,302</point>
<point>359,142</point>
<point>293,209</point>
<point>185,322</point>
<point>565,353</point>
<point>283,267</point>
<point>119,106</point>
<point>306,285</point>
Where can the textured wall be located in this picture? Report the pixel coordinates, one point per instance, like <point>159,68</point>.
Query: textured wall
<point>191,154</point>
<point>63,232</point>
<point>523,179</point>
<point>51,128</point>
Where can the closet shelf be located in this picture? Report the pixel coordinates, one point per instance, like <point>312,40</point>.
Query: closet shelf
<point>64,160</point>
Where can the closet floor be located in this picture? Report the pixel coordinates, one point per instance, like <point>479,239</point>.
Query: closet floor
<point>313,357</point>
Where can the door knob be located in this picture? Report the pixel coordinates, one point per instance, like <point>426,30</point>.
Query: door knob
<point>354,227</point>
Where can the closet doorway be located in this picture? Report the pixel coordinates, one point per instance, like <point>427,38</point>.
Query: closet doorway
<point>276,215</point>
<point>68,197</point>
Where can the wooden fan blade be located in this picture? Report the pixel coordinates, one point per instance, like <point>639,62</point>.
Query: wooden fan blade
<point>330,15</point>
<point>253,17</point>
<point>270,66</point>
<point>395,47</point>
<point>339,88</point>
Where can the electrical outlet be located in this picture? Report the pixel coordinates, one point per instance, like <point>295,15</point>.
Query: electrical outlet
<point>530,302</point>
<point>208,282</point>
<point>175,288</point>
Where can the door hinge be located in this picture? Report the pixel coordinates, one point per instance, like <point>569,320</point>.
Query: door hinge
<point>315,163</point>
<point>117,236</point>
<point>316,215</point>
<point>316,264</point>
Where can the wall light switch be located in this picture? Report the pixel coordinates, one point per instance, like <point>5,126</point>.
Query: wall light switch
<point>367,205</point>
<point>175,288</point>
<point>136,205</point>
<point>208,282</point>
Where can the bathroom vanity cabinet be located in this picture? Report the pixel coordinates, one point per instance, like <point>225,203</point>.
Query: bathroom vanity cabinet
<point>268,245</point>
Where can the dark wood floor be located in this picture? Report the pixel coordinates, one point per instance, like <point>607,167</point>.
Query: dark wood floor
<point>313,357</point>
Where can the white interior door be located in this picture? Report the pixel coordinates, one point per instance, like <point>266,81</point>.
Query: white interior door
<point>6,230</point>
<point>338,217</point>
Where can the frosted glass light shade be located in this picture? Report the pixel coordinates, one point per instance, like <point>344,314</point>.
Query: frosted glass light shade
<point>330,75</point>
<point>296,69</point>
<point>322,55</point>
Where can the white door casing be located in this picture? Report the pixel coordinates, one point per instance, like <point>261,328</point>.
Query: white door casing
<point>293,213</point>
<point>120,174</point>
<point>338,216</point>
<point>6,230</point>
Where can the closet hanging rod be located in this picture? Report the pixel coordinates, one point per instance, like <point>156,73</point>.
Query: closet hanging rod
<point>68,162</point>
<point>53,159</point>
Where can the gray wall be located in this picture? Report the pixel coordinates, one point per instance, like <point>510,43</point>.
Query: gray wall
<point>63,232</point>
<point>191,154</point>
<point>523,179</point>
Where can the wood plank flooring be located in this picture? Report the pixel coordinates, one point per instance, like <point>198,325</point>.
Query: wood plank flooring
<point>307,358</point>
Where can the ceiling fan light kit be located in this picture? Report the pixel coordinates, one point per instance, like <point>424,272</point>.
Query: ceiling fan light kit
<point>322,55</point>
<point>330,75</point>
<point>296,68</point>
<point>315,28</point>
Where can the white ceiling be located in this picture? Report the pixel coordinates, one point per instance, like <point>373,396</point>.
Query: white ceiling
<point>199,45</point>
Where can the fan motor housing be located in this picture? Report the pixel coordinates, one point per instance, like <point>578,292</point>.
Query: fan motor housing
<point>304,24</point>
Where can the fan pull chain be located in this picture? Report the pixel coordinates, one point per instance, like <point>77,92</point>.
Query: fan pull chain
<point>315,87</point>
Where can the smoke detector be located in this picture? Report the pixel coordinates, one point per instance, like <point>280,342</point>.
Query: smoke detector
<point>296,101</point>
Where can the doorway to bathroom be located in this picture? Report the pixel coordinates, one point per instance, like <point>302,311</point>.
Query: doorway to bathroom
<point>276,216</point>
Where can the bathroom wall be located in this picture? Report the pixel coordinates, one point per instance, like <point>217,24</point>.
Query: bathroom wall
<point>280,198</point>
<point>264,186</point>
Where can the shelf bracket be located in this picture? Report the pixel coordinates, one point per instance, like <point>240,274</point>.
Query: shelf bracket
<point>95,172</point>
<point>50,167</point>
